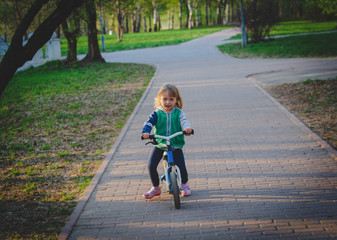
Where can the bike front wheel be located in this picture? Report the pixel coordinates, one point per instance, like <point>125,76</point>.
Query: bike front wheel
<point>175,189</point>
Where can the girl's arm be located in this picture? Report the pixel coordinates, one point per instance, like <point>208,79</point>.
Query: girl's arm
<point>149,124</point>
<point>185,123</point>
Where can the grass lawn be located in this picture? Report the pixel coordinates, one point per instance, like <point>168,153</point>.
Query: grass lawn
<point>296,27</point>
<point>56,125</point>
<point>144,39</point>
<point>320,45</point>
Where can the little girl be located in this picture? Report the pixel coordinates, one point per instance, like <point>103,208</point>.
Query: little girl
<point>167,119</point>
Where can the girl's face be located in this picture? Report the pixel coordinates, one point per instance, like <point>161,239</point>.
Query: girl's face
<point>167,102</point>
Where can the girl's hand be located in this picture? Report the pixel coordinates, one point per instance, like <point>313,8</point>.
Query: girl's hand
<point>145,135</point>
<point>188,131</point>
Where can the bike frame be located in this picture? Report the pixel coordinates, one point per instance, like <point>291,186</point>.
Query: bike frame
<point>170,160</point>
<point>171,169</point>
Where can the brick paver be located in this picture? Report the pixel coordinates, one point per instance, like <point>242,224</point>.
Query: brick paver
<point>254,173</point>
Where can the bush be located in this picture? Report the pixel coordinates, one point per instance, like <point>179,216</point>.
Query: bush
<point>261,15</point>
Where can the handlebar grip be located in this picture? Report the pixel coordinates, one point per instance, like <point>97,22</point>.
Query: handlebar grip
<point>150,137</point>
<point>190,133</point>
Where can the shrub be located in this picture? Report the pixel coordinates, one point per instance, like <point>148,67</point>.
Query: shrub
<point>261,15</point>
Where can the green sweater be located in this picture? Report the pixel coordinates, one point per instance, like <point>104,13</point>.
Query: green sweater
<point>166,124</point>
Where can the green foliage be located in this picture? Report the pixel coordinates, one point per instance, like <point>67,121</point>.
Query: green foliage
<point>327,6</point>
<point>260,17</point>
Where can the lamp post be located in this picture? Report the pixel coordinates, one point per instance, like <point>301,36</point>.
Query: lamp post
<point>102,31</point>
<point>243,29</point>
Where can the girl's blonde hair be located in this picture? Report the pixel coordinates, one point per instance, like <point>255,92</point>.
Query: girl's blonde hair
<point>172,92</point>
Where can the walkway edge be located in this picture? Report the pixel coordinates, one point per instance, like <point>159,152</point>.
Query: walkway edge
<point>296,120</point>
<point>67,229</point>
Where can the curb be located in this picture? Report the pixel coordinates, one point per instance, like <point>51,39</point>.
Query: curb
<point>294,119</point>
<point>67,229</point>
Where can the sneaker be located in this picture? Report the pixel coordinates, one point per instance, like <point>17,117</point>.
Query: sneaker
<point>185,192</point>
<point>153,192</point>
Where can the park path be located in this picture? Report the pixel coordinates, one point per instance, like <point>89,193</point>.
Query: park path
<point>255,171</point>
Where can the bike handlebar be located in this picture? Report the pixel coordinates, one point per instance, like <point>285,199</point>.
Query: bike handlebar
<point>153,137</point>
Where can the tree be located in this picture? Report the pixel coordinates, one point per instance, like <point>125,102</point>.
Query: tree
<point>11,14</point>
<point>71,29</point>
<point>17,54</point>
<point>93,55</point>
<point>324,8</point>
<point>261,15</point>
<point>328,6</point>
<point>120,13</point>
<point>191,4</point>
<point>155,15</point>
<point>138,18</point>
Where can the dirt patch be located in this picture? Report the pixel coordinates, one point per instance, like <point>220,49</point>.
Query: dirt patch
<point>313,102</point>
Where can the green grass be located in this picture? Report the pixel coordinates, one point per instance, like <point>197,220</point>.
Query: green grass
<point>320,45</point>
<point>296,27</point>
<point>143,39</point>
<point>57,123</point>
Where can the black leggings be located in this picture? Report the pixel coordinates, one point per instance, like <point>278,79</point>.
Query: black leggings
<point>155,158</point>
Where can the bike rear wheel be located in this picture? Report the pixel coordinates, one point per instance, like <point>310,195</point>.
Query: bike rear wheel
<point>175,189</point>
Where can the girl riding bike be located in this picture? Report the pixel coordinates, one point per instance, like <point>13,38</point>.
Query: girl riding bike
<point>167,119</point>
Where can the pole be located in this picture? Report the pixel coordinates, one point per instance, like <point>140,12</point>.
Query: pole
<point>102,31</point>
<point>243,29</point>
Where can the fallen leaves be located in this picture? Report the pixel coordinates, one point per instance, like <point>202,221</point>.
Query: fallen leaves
<point>313,102</point>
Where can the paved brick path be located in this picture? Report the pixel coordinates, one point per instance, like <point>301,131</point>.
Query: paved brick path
<point>255,171</point>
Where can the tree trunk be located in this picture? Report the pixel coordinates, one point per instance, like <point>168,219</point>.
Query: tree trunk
<point>180,15</point>
<point>93,54</point>
<point>158,21</point>
<point>133,21</point>
<point>225,15</point>
<point>145,26</point>
<point>232,11</point>
<point>218,13</point>
<point>72,43</point>
<point>190,14</point>
<point>139,19</point>
<point>150,28</point>
<point>120,19</point>
<point>206,12</point>
<point>173,20</point>
<point>155,14</point>
<point>17,54</point>
<point>71,35</point>
<point>126,23</point>
<point>211,17</point>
